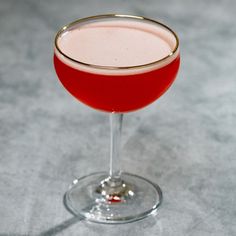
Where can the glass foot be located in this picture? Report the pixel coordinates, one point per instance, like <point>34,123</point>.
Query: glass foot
<point>101,199</point>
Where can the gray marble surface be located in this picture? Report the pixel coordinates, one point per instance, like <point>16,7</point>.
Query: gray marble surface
<point>185,142</point>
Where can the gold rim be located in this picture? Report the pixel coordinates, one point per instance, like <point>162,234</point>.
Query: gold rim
<point>64,28</point>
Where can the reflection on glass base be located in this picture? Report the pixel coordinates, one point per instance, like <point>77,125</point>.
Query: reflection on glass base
<point>101,199</point>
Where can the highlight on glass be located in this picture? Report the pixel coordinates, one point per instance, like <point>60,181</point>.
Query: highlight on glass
<point>115,64</point>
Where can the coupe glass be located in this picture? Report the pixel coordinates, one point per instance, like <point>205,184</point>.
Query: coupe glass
<point>99,81</point>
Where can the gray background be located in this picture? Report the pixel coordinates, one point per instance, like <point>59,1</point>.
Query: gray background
<point>186,141</point>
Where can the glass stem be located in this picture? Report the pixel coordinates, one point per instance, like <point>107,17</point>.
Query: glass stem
<point>115,142</point>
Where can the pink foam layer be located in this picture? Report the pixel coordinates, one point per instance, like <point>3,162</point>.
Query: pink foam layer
<point>117,43</point>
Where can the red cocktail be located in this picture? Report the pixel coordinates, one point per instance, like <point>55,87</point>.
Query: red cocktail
<point>115,89</point>
<point>117,64</point>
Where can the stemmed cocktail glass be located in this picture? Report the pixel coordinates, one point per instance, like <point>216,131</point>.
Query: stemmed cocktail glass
<point>115,64</point>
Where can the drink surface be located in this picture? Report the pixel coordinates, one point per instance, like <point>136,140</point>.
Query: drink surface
<point>107,45</point>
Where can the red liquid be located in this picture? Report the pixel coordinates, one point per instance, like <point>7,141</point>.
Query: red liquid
<point>117,93</point>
